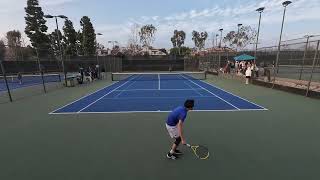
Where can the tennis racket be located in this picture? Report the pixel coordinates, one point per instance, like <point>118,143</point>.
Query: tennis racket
<point>200,151</point>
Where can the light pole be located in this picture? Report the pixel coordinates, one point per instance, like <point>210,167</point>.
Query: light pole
<point>217,35</point>
<point>220,37</point>
<point>59,43</point>
<point>97,53</point>
<point>259,10</point>
<point>97,48</point>
<point>284,4</point>
<point>113,67</point>
<point>238,35</point>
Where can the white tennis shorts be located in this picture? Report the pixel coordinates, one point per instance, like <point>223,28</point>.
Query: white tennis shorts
<point>173,131</point>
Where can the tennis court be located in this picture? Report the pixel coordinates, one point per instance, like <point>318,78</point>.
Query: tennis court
<point>157,92</point>
<point>281,143</point>
<point>27,81</point>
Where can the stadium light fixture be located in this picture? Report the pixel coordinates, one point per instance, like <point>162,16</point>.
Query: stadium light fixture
<point>260,11</point>
<point>276,69</point>
<point>221,30</point>
<point>59,42</point>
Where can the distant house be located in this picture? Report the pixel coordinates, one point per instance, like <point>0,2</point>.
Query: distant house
<point>153,52</point>
<point>213,51</point>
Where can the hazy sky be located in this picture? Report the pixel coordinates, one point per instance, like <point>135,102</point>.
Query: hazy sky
<point>114,18</point>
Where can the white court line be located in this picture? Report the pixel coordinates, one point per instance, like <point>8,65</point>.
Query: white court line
<point>85,97</point>
<point>133,112</point>
<point>102,97</point>
<point>212,93</point>
<point>159,87</point>
<point>235,95</point>
<point>128,86</point>
<point>192,88</point>
<point>158,97</point>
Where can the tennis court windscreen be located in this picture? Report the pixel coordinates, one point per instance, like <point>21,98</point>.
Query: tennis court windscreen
<point>158,76</point>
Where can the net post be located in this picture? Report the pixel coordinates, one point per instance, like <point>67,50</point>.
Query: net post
<point>5,79</point>
<point>313,66</point>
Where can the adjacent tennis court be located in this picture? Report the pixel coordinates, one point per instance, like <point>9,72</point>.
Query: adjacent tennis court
<point>157,92</point>
<point>27,80</point>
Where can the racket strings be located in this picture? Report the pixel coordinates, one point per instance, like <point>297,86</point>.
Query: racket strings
<point>202,152</point>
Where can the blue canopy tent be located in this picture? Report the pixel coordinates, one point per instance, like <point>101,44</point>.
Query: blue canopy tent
<point>244,57</point>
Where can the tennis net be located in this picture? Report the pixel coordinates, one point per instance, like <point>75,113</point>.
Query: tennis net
<point>158,76</point>
<point>29,79</point>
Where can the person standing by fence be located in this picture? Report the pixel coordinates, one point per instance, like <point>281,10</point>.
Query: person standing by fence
<point>248,73</point>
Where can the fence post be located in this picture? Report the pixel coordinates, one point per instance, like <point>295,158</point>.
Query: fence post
<point>5,79</point>
<point>105,63</point>
<point>304,57</point>
<point>219,60</point>
<point>313,66</point>
<point>40,70</point>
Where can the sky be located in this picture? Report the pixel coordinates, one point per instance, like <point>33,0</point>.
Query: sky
<point>114,18</point>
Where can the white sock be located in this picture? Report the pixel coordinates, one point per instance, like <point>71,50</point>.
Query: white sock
<point>171,151</point>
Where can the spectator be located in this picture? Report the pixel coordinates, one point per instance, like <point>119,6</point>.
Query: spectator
<point>20,78</point>
<point>98,71</point>
<point>88,75</point>
<point>256,70</point>
<point>80,75</point>
<point>248,73</point>
<point>236,66</point>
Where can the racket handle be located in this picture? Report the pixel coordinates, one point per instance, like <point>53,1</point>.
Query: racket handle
<point>188,145</point>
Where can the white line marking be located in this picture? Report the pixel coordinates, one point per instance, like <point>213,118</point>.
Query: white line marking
<point>86,96</point>
<point>176,97</point>
<point>234,95</point>
<point>164,73</point>
<point>128,86</point>
<point>192,88</point>
<point>159,87</point>
<point>102,97</point>
<point>129,112</point>
<point>212,93</point>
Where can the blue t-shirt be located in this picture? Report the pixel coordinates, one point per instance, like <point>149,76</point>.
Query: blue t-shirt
<point>180,113</point>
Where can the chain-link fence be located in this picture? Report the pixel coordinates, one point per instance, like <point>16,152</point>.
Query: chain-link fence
<point>297,68</point>
<point>20,79</point>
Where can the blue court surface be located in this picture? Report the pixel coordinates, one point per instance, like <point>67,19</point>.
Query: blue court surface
<point>157,93</point>
<point>27,81</point>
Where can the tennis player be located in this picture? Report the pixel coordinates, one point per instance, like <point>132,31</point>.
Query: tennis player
<point>174,126</point>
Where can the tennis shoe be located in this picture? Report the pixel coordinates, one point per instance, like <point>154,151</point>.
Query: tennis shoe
<point>171,156</point>
<point>177,152</point>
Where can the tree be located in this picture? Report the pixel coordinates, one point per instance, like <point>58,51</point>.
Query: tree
<point>147,34</point>
<point>199,39</point>
<point>78,43</point>
<point>55,49</point>
<point>242,39</point>
<point>36,26</point>
<point>14,43</point>
<point>133,42</point>
<point>178,38</point>
<point>2,50</point>
<point>88,39</point>
<point>183,51</point>
<point>70,38</point>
